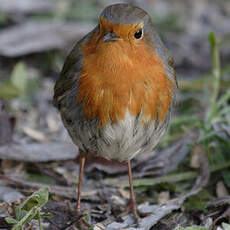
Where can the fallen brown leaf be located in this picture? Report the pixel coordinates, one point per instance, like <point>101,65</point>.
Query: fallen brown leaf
<point>26,6</point>
<point>39,152</point>
<point>32,37</point>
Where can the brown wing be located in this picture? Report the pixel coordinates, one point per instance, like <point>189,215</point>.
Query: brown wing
<point>68,76</point>
<point>170,61</point>
<point>162,51</point>
<point>68,80</point>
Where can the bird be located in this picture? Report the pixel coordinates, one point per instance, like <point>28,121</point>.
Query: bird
<point>116,90</point>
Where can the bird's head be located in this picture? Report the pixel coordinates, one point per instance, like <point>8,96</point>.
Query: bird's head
<point>123,23</point>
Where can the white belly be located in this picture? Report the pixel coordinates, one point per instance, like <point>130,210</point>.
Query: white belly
<point>121,141</point>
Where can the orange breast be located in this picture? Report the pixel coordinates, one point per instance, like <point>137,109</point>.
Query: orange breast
<point>117,76</point>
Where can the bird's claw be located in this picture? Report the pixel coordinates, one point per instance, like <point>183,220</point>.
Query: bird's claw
<point>131,208</point>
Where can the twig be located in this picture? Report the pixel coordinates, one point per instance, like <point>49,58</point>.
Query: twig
<point>64,191</point>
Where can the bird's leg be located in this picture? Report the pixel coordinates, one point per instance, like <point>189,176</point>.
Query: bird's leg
<point>82,163</point>
<point>81,220</point>
<point>132,201</point>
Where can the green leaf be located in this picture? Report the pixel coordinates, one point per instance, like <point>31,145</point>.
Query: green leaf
<point>10,220</point>
<point>220,158</point>
<point>191,228</point>
<point>212,39</point>
<point>38,198</point>
<point>19,77</point>
<point>198,202</point>
<point>216,72</point>
<point>226,226</point>
<point>8,91</point>
<point>47,215</point>
<point>87,217</point>
<point>19,213</point>
<point>30,209</point>
<point>27,218</point>
<point>40,178</point>
<point>3,18</point>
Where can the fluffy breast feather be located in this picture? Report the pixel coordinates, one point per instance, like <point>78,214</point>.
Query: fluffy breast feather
<point>118,76</point>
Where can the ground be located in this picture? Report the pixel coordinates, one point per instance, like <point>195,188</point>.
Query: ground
<point>183,183</point>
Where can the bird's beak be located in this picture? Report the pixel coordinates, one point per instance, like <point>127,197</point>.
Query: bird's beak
<point>110,37</point>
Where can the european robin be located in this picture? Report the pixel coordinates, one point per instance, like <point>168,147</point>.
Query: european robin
<point>116,89</point>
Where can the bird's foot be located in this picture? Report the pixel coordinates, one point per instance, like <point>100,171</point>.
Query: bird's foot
<point>131,208</point>
<point>80,222</point>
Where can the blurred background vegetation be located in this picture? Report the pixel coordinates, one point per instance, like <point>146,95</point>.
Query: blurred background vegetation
<point>36,36</point>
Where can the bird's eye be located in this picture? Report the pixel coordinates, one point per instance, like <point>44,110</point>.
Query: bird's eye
<point>138,34</point>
